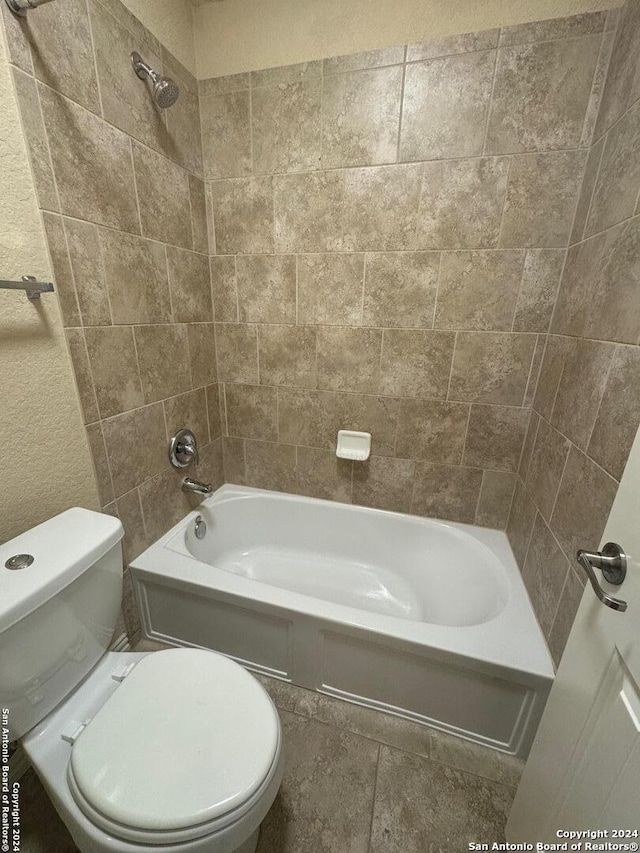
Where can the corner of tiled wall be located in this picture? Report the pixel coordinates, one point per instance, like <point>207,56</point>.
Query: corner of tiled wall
<point>586,408</point>
<point>122,195</point>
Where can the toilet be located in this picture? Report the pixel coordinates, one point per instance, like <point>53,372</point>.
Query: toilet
<point>178,751</point>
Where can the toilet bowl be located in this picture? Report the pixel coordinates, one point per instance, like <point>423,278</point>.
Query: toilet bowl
<point>178,751</point>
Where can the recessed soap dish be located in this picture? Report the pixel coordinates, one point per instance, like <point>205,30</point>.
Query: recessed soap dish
<point>353,445</point>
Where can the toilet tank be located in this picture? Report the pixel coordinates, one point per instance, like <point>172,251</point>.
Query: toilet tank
<point>58,614</point>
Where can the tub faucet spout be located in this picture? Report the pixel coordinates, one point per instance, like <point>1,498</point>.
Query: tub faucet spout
<point>195,486</point>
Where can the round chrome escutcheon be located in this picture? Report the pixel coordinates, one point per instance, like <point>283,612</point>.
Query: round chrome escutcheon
<point>19,561</point>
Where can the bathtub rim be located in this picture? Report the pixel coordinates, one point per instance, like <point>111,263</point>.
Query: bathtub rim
<point>525,653</point>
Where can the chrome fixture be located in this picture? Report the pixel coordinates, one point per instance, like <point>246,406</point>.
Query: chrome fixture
<point>32,288</point>
<point>196,487</point>
<point>200,527</point>
<point>165,90</point>
<point>183,449</point>
<point>19,561</point>
<point>612,561</point>
<point>20,7</point>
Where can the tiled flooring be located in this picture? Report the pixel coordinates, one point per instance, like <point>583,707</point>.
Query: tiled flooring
<point>356,781</point>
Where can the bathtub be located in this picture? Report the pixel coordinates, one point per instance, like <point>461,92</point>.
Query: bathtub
<point>421,618</point>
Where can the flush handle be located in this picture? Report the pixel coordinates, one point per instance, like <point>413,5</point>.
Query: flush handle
<point>612,562</point>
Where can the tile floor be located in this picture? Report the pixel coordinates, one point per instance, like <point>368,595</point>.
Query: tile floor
<point>356,781</point>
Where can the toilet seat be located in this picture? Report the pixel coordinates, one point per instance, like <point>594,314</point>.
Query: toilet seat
<point>185,746</point>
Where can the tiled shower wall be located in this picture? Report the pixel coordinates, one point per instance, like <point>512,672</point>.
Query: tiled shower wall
<point>587,406</point>
<point>120,186</point>
<point>389,233</point>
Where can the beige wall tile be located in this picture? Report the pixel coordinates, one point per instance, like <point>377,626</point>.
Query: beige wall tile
<point>287,355</point>
<point>163,504</point>
<point>554,28</point>
<point>618,182</point>
<point>441,491</point>
<point>61,268</point>
<point>541,94</point>
<point>349,358</point>
<point>541,198</point>
<point>586,191</point>
<point>284,74</point>
<point>163,194</point>
<point>320,474</point>
<point>36,139</point>
<point>491,367</point>
<point>114,367</point>
<point>63,54</point>
<point>461,203</point>
<point>135,271</point>
<point>384,483</point>
<point>202,353</point>
<point>82,373</point>
<point>126,100</point>
<point>270,466</point>
<point>251,411</point>
<point>285,126</point>
<point>548,459</point>
<point>226,134</point>
<point>583,266</point>
<point>416,363</point>
<point>197,197</point>
<point>381,207</point>
<point>448,45</point>
<point>581,389</point>
<point>309,212</point>
<point>135,536</point>
<point>555,355</point>
<point>496,497</point>
<point>445,106</point>
<point>534,373</point>
<point>431,430</point>
<point>100,463</point>
<point>188,411</point>
<point>228,83</point>
<point>183,119</point>
<point>567,609</point>
<point>243,215</point>
<point>360,117</point>
<point>528,446</point>
<point>223,286</point>
<point>213,411</point>
<point>190,285</point>
<point>163,357</point>
<point>544,574</point>
<point>583,504</point>
<point>136,445</point>
<point>520,524</point>
<point>17,39</point>
<point>619,413</point>
<point>88,272</point>
<point>237,351</point>
<point>91,163</point>
<point>234,461</point>
<point>266,287</point>
<point>400,289</point>
<point>538,290</point>
<point>621,87</point>
<point>358,61</point>
<point>478,290</point>
<point>330,289</point>
<point>495,437</point>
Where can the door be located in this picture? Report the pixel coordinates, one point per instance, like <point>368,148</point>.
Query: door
<point>583,771</point>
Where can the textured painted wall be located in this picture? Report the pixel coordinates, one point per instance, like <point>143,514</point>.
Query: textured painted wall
<point>390,230</point>
<point>45,465</point>
<point>171,22</point>
<point>586,409</point>
<point>242,35</point>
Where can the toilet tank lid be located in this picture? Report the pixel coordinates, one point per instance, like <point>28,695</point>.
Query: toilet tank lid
<point>63,548</point>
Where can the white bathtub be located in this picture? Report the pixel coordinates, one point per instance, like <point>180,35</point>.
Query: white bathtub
<point>422,618</point>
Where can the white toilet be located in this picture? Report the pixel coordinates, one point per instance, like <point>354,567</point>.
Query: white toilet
<point>177,751</point>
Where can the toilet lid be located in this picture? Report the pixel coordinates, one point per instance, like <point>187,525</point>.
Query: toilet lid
<point>187,737</point>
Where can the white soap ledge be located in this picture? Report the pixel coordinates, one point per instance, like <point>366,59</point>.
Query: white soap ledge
<point>353,445</point>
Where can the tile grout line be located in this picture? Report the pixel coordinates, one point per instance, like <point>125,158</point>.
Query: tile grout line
<point>491,95</point>
<point>373,799</point>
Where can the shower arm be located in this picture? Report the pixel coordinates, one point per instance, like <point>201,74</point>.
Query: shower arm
<point>20,7</point>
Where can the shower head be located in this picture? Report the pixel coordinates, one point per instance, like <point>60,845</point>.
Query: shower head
<point>165,90</point>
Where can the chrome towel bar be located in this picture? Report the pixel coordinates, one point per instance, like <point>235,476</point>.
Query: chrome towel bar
<point>32,288</point>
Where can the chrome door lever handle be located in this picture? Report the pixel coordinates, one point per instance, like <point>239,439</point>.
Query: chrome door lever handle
<point>613,563</point>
